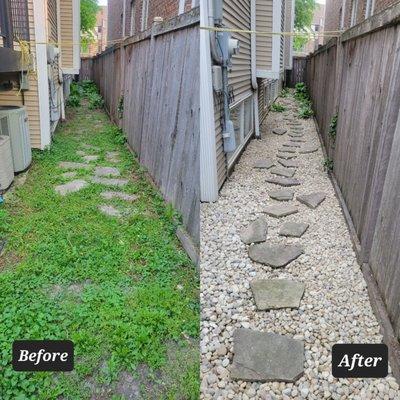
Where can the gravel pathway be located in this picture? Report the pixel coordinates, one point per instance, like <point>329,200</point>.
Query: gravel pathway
<point>335,307</point>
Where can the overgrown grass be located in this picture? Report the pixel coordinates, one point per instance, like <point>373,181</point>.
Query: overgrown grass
<point>301,94</point>
<point>121,289</point>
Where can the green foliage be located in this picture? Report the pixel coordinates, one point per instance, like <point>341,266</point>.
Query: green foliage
<point>120,289</point>
<point>328,165</point>
<point>74,101</point>
<point>333,127</point>
<point>276,107</point>
<point>117,135</point>
<point>305,111</point>
<point>284,92</point>
<point>304,11</point>
<point>89,9</point>
<point>301,94</point>
<point>120,108</point>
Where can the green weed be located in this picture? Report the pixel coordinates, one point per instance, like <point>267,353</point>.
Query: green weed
<point>276,107</point>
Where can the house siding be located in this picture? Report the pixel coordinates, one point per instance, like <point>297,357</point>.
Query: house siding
<point>67,36</point>
<point>264,43</point>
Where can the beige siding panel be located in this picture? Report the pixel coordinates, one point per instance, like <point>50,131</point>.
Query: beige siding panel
<point>237,16</point>
<point>52,29</point>
<point>282,44</point>
<point>288,28</point>
<point>264,10</point>
<point>221,156</point>
<point>66,29</point>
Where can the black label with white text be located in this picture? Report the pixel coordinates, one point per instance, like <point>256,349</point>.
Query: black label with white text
<point>43,355</point>
<point>359,360</point>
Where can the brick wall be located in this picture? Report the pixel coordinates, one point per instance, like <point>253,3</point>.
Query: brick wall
<point>114,23</point>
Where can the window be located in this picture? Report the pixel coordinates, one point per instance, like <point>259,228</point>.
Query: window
<point>369,8</point>
<point>133,18</point>
<point>354,10</point>
<point>242,118</point>
<point>145,14</point>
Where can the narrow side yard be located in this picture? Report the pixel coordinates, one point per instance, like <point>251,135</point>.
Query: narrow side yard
<point>277,258</point>
<point>91,256</point>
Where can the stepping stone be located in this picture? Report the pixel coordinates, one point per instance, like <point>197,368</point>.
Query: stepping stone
<point>90,158</point>
<point>272,294</point>
<point>280,210</point>
<point>291,144</point>
<point>265,357</point>
<point>264,164</point>
<point>90,147</point>
<point>118,195</point>
<point>287,150</point>
<point>69,175</point>
<point>286,182</point>
<point>296,135</point>
<point>73,165</point>
<point>283,171</point>
<point>256,232</point>
<point>276,256</point>
<point>80,153</point>
<point>106,171</point>
<point>312,200</point>
<point>286,156</point>
<point>293,229</point>
<point>71,187</point>
<point>281,195</point>
<point>110,211</point>
<point>289,163</point>
<point>308,149</point>
<point>113,156</point>
<point>109,181</point>
<point>279,131</point>
<point>296,140</point>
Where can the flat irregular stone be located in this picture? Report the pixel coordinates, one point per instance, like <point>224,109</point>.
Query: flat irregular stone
<point>90,158</point>
<point>106,171</point>
<point>287,150</point>
<point>69,175</point>
<point>288,163</point>
<point>293,229</point>
<point>281,195</point>
<point>286,156</point>
<point>286,182</point>
<point>90,147</point>
<point>312,200</point>
<point>73,165</point>
<point>272,294</point>
<point>265,357</point>
<point>308,149</point>
<point>111,211</point>
<point>71,187</point>
<point>80,153</point>
<point>275,256</point>
<point>296,135</point>
<point>264,164</point>
<point>297,140</point>
<point>118,195</point>
<point>255,232</point>
<point>109,181</point>
<point>279,131</point>
<point>287,172</point>
<point>280,210</point>
<point>113,156</point>
<point>291,144</point>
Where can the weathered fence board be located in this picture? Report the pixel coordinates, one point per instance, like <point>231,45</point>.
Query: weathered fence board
<point>156,77</point>
<point>298,72</point>
<point>357,76</point>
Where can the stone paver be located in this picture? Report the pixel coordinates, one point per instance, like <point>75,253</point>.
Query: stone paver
<point>306,149</point>
<point>279,131</point>
<point>281,195</point>
<point>73,165</point>
<point>286,182</point>
<point>106,171</point>
<point>297,140</point>
<point>112,156</point>
<point>293,229</point>
<point>263,357</point>
<point>296,135</point>
<point>264,164</point>
<point>109,181</point>
<point>281,171</point>
<point>287,150</point>
<point>280,210</point>
<point>291,144</point>
<point>255,232</point>
<point>90,147</point>
<point>118,195</point>
<point>71,187</point>
<point>90,158</point>
<point>270,294</point>
<point>69,175</point>
<point>81,153</point>
<point>275,256</point>
<point>312,200</point>
<point>109,210</point>
<point>288,163</point>
<point>286,156</point>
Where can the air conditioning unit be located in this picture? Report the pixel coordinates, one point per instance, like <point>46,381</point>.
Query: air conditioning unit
<point>6,163</point>
<point>14,123</point>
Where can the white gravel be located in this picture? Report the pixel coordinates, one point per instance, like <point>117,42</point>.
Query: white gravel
<point>335,307</point>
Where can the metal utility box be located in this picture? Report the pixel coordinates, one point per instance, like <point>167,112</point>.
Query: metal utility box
<point>14,123</point>
<point>6,164</point>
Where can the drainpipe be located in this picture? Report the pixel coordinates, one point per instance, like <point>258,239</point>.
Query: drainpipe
<point>254,67</point>
<point>212,6</point>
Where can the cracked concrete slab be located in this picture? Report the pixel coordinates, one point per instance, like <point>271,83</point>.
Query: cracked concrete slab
<point>275,256</point>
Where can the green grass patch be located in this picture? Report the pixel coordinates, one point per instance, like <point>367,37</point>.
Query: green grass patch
<point>121,289</point>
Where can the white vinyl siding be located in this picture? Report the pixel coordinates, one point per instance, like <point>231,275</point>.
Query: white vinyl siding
<point>264,10</point>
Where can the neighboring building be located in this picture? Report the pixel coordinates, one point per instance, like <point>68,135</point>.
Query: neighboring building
<point>51,30</point>
<point>128,17</point>
<point>343,14</point>
<point>317,26</point>
<point>254,82</point>
<point>99,39</point>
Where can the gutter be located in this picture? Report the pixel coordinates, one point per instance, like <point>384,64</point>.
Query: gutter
<point>254,67</point>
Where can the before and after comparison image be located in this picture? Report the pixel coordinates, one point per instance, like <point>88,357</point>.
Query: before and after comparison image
<point>199,200</point>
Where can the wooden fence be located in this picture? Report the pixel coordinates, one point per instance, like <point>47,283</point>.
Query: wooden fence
<point>357,78</point>
<point>150,88</point>
<point>298,72</point>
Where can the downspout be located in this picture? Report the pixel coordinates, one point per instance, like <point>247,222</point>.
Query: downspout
<point>213,4</point>
<point>254,67</point>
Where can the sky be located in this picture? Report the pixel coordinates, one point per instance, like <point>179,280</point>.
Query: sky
<point>102,2</point>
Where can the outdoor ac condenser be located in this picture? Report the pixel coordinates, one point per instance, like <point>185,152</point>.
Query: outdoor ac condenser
<point>6,164</point>
<point>14,123</point>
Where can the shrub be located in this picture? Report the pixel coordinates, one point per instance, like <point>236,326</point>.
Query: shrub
<point>276,107</point>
